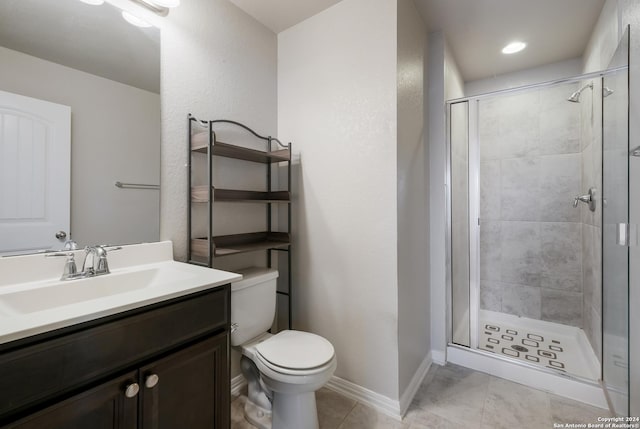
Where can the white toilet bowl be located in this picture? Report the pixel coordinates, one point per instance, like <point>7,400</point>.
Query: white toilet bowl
<point>283,371</point>
<point>292,366</point>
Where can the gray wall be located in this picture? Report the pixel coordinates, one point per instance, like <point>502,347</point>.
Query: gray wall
<point>591,160</point>
<point>531,236</point>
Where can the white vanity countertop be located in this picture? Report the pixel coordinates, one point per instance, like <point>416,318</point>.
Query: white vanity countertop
<point>34,301</point>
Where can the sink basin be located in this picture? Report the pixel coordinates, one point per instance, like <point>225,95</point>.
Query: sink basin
<point>34,301</point>
<point>56,294</point>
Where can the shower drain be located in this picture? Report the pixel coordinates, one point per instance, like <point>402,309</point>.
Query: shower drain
<point>519,348</point>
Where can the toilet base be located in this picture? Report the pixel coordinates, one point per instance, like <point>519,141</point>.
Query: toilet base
<point>294,411</point>
<point>257,416</point>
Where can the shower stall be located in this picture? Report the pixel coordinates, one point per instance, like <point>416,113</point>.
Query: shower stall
<point>538,227</point>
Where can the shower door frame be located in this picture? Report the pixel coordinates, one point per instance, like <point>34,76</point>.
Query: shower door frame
<point>474,210</point>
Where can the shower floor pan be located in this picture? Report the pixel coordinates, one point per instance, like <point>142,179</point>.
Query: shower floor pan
<point>551,345</point>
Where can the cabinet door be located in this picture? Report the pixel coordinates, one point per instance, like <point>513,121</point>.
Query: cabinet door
<point>103,407</point>
<point>188,389</point>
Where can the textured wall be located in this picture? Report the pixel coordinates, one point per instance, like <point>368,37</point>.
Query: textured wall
<point>217,62</point>
<point>445,83</point>
<point>531,236</point>
<point>413,218</point>
<point>337,91</point>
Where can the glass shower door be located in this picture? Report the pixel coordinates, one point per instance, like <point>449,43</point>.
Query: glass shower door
<point>617,234</point>
<point>460,245</point>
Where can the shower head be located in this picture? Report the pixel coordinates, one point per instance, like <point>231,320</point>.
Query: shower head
<point>575,97</point>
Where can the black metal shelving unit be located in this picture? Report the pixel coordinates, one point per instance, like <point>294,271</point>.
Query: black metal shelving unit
<point>203,250</point>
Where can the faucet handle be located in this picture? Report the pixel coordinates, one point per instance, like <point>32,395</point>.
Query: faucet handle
<point>70,268</point>
<point>70,245</point>
<point>588,199</point>
<point>102,265</point>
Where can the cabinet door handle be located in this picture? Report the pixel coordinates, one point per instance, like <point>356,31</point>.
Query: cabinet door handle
<point>131,390</point>
<point>151,381</point>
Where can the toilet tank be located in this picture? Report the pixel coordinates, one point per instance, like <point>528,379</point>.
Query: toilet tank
<point>253,303</point>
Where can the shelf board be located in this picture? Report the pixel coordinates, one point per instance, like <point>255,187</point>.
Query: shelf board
<point>200,141</point>
<point>225,245</point>
<point>200,194</point>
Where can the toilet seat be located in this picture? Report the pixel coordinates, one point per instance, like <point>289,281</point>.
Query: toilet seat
<point>295,353</point>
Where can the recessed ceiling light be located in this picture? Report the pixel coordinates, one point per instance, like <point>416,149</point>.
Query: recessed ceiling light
<point>167,3</point>
<point>514,47</point>
<point>93,2</point>
<point>134,20</point>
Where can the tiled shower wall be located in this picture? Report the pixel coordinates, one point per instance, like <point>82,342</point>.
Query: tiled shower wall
<point>591,157</point>
<point>531,239</point>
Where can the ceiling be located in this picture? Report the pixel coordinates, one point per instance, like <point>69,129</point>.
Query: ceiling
<point>476,30</point>
<point>94,39</point>
<point>278,15</point>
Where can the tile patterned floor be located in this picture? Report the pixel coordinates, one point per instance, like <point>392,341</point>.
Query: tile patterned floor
<point>562,348</point>
<point>451,397</point>
<point>522,344</point>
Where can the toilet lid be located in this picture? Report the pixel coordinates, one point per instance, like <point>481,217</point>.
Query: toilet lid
<point>296,350</point>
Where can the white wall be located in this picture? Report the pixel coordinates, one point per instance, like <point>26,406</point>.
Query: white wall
<point>115,136</point>
<point>445,83</point>
<point>604,39</point>
<point>413,217</point>
<point>545,73</point>
<point>217,63</point>
<point>453,83</point>
<point>337,102</point>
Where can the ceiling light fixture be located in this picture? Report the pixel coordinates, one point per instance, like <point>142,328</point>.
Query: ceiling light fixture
<point>159,7</point>
<point>134,20</point>
<point>514,47</point>
<point>166,3</point>
<point>93,2</point>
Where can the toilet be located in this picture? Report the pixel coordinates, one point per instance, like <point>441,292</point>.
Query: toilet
<point>283,371</point>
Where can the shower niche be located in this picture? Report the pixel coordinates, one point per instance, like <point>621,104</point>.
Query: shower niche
<point>538,182</point>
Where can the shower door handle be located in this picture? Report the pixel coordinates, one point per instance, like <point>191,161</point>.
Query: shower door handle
<point>626,235</point>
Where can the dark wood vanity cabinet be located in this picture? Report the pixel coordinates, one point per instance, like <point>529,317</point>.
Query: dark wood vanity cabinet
<point>165,366</point>
<point>102,407</point>
<point>180,399</point>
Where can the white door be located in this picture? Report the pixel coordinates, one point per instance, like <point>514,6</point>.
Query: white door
<point>35,169</point>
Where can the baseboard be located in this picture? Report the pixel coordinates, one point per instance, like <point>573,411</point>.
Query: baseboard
<point>237,383</point>
<point>438,357</point>
<point>361,394</point>
<point>368,397</point>
<point>410,392</point>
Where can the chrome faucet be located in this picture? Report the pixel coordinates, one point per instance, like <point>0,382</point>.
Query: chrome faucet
<point>97,266</point>
<point>97,255</point>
